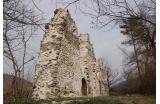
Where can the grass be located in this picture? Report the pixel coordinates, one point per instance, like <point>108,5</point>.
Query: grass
<point>48,101</point>
<point>60,99</point>
<point>93,100</point>
<point>99,100</point>
<point>31,102</point>
<point>96,100</point>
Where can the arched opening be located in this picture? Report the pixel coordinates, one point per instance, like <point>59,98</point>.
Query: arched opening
<point>84,87</point>
<point>100,87</point>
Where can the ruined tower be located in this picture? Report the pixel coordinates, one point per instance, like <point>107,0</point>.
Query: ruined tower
<point>66,66</point>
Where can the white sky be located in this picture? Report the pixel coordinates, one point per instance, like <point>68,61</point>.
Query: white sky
<point>105,43</point>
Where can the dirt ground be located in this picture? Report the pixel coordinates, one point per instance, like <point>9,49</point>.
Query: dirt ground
<point>138,99</point>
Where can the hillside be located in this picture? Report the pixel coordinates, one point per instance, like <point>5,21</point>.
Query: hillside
<point>8,87</point>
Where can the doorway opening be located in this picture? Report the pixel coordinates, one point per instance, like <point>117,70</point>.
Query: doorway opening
<point>84,87</point>
<point>100,87</point>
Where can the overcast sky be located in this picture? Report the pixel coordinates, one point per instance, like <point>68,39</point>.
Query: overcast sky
<point>105,43</point>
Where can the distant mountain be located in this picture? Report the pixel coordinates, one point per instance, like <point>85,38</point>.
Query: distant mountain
<point>120,85</point>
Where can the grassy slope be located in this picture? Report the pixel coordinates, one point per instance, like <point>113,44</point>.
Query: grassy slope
<point>99,100</point>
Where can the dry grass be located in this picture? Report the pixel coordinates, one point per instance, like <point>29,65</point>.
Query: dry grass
<point>138,99</point>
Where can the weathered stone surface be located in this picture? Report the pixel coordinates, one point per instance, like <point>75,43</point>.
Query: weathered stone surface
<point>67,66</point>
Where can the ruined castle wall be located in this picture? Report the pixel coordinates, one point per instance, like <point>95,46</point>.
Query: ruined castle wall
<point>84,61</point>
<point>46,68</point>
<point>104,82</point>
<point>87,62</point>
<point>66,64</point>
<point>95,75</point>
<point>68,60</point>
<point>46,82</point>
<point>68,67</point>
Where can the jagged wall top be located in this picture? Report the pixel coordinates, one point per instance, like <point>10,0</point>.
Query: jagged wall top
<point>62,18</point>
<point>84,37</point>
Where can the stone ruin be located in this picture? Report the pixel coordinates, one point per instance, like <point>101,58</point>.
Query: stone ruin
<point>67,66</point>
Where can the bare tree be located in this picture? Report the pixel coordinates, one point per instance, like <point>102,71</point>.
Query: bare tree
<point>142,77</point>
<point>111,73</point>
<point>132,82</point>
<point>107,14</point>
<point>140,34</point>
<point>138,21</point>
<point>19,25</point>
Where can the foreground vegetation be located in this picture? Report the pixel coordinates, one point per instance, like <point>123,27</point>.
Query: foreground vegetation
<point>137,99</point>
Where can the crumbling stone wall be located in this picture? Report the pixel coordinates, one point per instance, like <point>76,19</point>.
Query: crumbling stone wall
<point>95,75</point>
<point>66,66</point>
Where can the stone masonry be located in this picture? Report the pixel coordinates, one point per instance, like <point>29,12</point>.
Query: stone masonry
<point>67,66</point>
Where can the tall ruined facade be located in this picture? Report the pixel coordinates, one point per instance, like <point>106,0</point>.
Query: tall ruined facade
<point>66,66</point>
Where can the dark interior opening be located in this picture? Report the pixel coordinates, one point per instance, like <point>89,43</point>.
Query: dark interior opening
<point>84,87</point>
<point>100,87</point>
